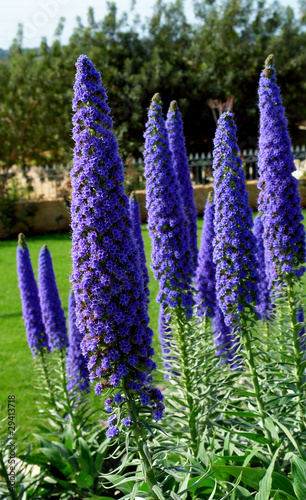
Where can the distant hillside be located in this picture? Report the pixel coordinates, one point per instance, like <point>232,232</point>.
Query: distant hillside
<point>3,54</point>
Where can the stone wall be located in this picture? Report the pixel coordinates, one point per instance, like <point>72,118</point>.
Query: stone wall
<point>52,216</point>
<point>37,217</point>
<point>200,197</point>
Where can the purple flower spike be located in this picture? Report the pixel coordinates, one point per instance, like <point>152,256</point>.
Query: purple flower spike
<point>136,229</point>
<point>167,224</point>
<point>279,199</point>
<point>301,319</point>
<point>76,363</point>
<point>111,304</point>
<point>174,125</point>
<point>52,313</point>
<point>31,310</point>
<point>264,305</point>
<point>204,282</point>
<point>234,243</point>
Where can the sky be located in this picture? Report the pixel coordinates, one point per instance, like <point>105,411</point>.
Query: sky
<point>40,17</point>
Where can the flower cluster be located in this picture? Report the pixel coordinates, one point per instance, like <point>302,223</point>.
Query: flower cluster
<point>279,200</point>
<point>234,243</point>
<point>52,312</point>
<point>111,304</point>
<point>167,224</point>
<point>264,304</point>
<point>111,405</point>
<point>174,126</point>
<point>31,310</point>
<point>204,282</point>
<point>76,363</point>
<point>136,229</point>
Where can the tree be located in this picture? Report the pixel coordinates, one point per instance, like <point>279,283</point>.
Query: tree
<point>219,56</point>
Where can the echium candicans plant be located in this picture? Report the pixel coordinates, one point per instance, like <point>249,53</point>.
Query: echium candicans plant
<point>136,230</point>
<point>279,199</point>
<point>234,242</point>
<point>76,363</point>
<point>264,307</point>
<point>111,304</point>
<point>174,125</point>
<point>280,204</point>
<point>31,310</point>
<point>167,223</point>
<point>52,312</point>
<point>205,283</point>
<point>205,278</point>
<point>53,316</point>
<point>234,249</point>
<point>171,256</point>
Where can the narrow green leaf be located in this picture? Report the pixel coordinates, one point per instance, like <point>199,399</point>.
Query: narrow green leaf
<point>246,393</point>
<point>147,453</point>
<point>185,484</point>
<point>243,493</point>
<point>298,470</point>
<point>158,492</point>
<point>124,484</point>
<point>290,437</point>
<point>134,491</point>
<point>233,489</point>
<point>250,456</point>
<point>175,496</point>
<point>146,425</point>
<point>211,497</point>
<point>252,477</point>
<point>84,480</point>
<point>271,428</point>
<point>265,484</point>
<point>244,414</point>
<point>198,481</point>
<point>253,437</point>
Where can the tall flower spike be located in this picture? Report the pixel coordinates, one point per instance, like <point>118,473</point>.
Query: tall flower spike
<point>111,305</point>
<point>167,224</point>
<point>136,229</point>
<point>264,304</point>
<point>76,363</point>
<point>31,310</point>
<point>174,125</point>
<point>279,199</point>
<point>204,282</point>
<point>50,302</point>
<point>234,243</point>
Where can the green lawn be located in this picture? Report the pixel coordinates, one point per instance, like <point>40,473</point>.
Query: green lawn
<point>16,362</point>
